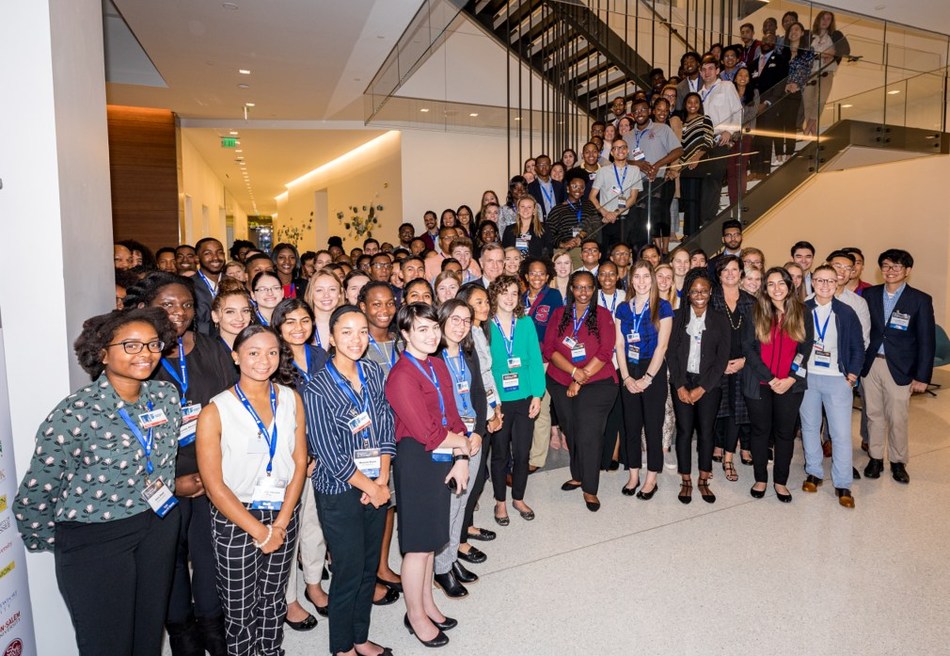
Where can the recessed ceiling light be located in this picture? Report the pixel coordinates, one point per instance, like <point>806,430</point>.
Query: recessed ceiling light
<point>244,71</point>
<point>244,86</point>
<point>233,133</point>
<point>847,106</point>
<point>230,6</point>
<point>473,114</point>
<point>893,92</point>
<point>249,105</point>
<point>424,110</point>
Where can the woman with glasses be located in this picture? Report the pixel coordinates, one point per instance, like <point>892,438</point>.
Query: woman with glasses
<point>519,378</point>
<point>114,538</point>
<point>777,346</point>
<point>699,350</point>
<point>582,380</point>
<point>199,368</point>
<point>465,220</point>
<point>267,291</point>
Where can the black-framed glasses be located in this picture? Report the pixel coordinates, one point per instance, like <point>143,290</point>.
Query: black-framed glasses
<point>133,348</point>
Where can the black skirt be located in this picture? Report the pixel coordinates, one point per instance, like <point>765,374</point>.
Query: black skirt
<point>423,517</point>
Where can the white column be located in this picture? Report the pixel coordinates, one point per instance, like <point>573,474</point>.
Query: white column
<point>56,209</point>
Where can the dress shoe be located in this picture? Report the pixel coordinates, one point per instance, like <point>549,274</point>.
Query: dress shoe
<point>717,458</point>
<point>389,584</point>
<point>745,460</point>
<point>483,534</point>
<point>391,597</point>
<point>462,574</point>
<point>646,496</point>
<point>629,491</point>
<point>854,474</point>
<point>704,492</point>
<point>474,556</point>
<point>570,485</point>
<point>592,502</point>
<point>439,640</point>
<point>784,498</point>
<point>502,520</point>
<point>686,491</point>
<point>811,484</point>
<point>449,623</point>
<point>757,494</point>
<point>614,465</point>
<point>874,468</point>
<point>526,515</point>
<point>307,624</point>
<point>450,585</point>
<point>826,448</point>
<point>324,611</point>
<point>844,497</point>
<point>899,472</point>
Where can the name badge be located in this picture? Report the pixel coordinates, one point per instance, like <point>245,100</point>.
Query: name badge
<point>578,353</point>
<point>469,423</point>
<point>509,382</point>
<point>153,418</point>
<point>462,387</point>
<point>514,363</point>
<point>159,498</point>
<point>268,493</point>
<point>368,461</point>
<point>822,358</point>
<point>442,455</point>
<point>569,342</point>
<point>257,445</point>
<point>615,190</point>
<point>575,232</point>
<point>521,243</point>
<point>186,434</point>
<point>899,321</point>
<point>491,396</point>
<point>190,412</point>
<point>634,337</point>
<point>798,366</point>
<point>621,203</point>
<point>638,155</point>
<point>633,353</point>
<point>359,423</point>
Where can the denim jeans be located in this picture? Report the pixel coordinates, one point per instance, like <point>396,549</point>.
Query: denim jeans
<point>833,393</point>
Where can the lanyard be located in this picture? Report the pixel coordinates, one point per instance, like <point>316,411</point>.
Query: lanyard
<point>305,374</point>
<point>316,336</point>
<point>147,442</point>
<point>823,329</point>
<point>458,375</point>
<point>577,322</point>
<point>343,385</point>
<point>226,345</point>
<point>620,180</point>
<point>577,209</point>
<point>509,343</point>
<point>382,353</point>
<point>613,305</point>
<point>434,380</point>
<point>272,440</point>
<point>638,135</point>
<point>706,95</point>
<point>211,286</point>
<point>531,308</point>
<point>693,84</point>
<point>549,197</point>
<point>638,317</point>
<point>260,317</point>
<point>182,380</point>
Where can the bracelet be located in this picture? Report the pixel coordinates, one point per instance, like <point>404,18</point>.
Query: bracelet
<point>573,371</point>
<point>648,375</point>
<point>270,533</point>
<point>460,456</point>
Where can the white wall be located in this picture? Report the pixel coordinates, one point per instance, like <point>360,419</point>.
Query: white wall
<point>205,190</point>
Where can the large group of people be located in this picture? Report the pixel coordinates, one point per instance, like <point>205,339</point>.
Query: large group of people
<point>250,412</point>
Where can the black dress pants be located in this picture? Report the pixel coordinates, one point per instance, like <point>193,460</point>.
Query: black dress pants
<point>115,578</point>
<point>701,418</point>
<point>773,415</point>
<point>644,412</point>
<point>512,439</point>
<point>612,428</point>
<point>583,419</point>
<point>196,579</point>
<point>477,487</point>
<point>715,171</point>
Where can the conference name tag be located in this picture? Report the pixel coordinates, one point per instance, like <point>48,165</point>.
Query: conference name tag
<point>159,498</point>
<point>469,424</point>
<point>578,353</point>
<point>443,454</point>
<point>360,422</point>
<point>633,353</point>
<point>822,358</point>
<point>509,382</point>
<point>514,363</point>
<point>268,493</point>
<point>368,461</point>
<point>189,423</point>
<point>521,243</point>
<point>153,418</point>
<point>899,321</point>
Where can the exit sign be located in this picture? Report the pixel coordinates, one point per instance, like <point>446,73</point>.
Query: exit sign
<point>228,142</point>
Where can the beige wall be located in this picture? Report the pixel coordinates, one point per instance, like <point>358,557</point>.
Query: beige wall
<point>874,208</point>
<point>205,190</point>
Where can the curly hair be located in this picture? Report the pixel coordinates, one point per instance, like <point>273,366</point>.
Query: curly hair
<point>591,321</point>
<point>147,289</point>
<point>100,330</point>
<point>497,286</point>
<point>284,374</point>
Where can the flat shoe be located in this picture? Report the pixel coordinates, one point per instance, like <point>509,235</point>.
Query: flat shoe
<point>324,611</point>
<point>389,584</point>
<point>527,515</point>
<point>483,534</point>
<point>745,461</point>
<point>502,521</point>
<point>704,492</point>
<point>474,556</point>
<point>306,624</point>
<point>646,496</point>
<point>629,491</point>
<point>391,597</point>
<point>593,504</point>
<point>570,485</point>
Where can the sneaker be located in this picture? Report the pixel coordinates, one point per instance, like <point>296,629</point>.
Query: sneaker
<point>669,460</point>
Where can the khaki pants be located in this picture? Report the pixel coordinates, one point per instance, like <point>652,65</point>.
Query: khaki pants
<point>887,404</point>
<point>311,545</point>
<point>541,440</point>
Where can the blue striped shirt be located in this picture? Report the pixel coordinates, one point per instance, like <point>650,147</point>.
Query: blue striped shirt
<point>329,437</point>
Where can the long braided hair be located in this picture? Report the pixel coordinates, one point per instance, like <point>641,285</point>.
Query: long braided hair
<point>591,321</point>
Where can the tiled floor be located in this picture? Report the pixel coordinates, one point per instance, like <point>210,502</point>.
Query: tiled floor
<point>742,576</point>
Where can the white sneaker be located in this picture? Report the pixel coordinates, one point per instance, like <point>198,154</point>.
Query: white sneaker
<point>669,460</point>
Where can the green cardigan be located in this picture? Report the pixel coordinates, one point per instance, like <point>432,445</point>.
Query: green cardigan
<point>526,346</point>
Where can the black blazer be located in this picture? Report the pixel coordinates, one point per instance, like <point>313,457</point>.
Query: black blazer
<point>534,188</point>
<point>770,84</point>
<point>909,353</point>
<point>536,245</point>
<point>755,372</point>
<point>713,350</point>
<point>479,398</point>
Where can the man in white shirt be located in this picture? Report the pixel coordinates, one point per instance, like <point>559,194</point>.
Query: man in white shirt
<point>614,192</point>
<point>722,105</point>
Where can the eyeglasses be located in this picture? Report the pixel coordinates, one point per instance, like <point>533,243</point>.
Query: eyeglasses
<point>590,250</point>
<point>268,290</point>
<point>133,348</point>
<point>892,267</point>
<point>699,292</point>
<point>459,321</point>
<point>824,281</point>
<point>382,265</point>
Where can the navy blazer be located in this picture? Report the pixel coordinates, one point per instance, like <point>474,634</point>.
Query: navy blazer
<point>850,337</point>
<point>755,372</point>
<point>534,188</point>
<point>909,353</point>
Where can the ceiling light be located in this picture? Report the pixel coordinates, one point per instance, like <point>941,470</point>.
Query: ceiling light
<point>249,104</point>
<point>233,133</point>
<point>847,106</point>
<point>893,92</point>
<point>473,114</point>
<point>424,110</point>
<point>244,86</point>
<point>244,71</point>
<point>239,151</point>
<point>230,6</point>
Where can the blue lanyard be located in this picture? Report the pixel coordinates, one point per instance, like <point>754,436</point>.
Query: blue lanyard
<point>638,317</point>
<point>272,440</point>
<point>316,336</point>
<point>260,317</point>
<point>211,286</point>
<point>823,329</point>
<point>579,206</point>
<point>639,135</point>
<point>345,387</point>
<point>548,197</point>
<point>620,180</point>
<point>578,322</point>
<point>147,442</point>
<point>613,305</point>
<point>305,374</point>
<point>458,375</point>
<point>509,343</point>
<point>182,380</point>
<point>226,345</point>
<point>434,380</point>
<point>382,353</point>
<point>711,89</point>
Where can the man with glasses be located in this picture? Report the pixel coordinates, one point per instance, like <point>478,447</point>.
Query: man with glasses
<point>724,109</point>
<point>614,192</point>
<point>621,255</point>
<point>898,361</point>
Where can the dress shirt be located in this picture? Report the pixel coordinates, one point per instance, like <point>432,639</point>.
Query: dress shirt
<point>723,107</point>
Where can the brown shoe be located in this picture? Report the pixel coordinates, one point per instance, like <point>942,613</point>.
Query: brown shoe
<point>844,497</point>
<point>811,484</point>
<point>826,448</point>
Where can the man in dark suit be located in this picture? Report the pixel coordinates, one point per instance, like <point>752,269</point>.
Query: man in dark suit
<point>690,83</point>
<point>768,77</point>
<point>898,362</point>
<point>546,190</point>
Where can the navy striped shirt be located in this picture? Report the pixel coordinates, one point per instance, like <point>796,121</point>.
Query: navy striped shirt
<point>329,437</point>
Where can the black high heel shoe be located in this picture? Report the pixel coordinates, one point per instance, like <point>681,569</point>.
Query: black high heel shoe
<point>449,623</point>
<point>439,640</point>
